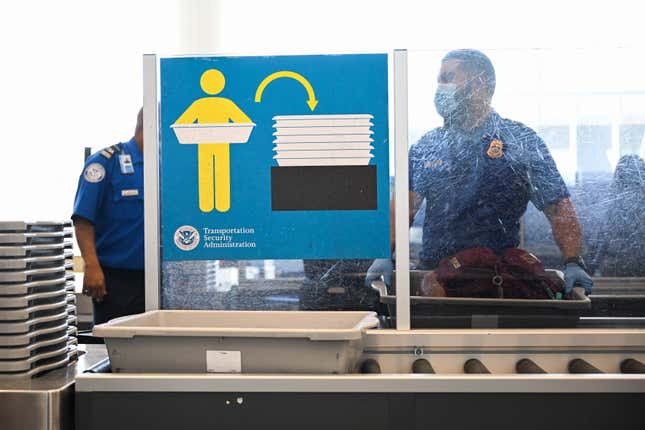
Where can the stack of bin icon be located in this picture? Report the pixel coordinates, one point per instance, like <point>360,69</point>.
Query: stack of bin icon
<point>323,140</point>
<point>323,163</point>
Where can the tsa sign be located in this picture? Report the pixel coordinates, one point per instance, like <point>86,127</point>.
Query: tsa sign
<point>281,157</point>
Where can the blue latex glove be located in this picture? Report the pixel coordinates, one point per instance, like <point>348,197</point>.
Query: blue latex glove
<point>575,275</point>
<point>380,267</point>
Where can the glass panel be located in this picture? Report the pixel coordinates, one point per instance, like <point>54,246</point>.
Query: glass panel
<point>556,134</point>
<point>268,285</point>
<point>553,171</point>
<point>305,185</point>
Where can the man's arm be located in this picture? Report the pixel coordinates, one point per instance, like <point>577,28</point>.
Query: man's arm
<point>93,280</point>
<point>565,227</point>
<point>415,203</point>
<point>568,235</point>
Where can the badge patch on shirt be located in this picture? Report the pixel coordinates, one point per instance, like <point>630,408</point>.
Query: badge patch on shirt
<point>431,164</point>
<point>94,173</point>
<point>129,193</point>
<point>496,149</point>
<point>126,164</point>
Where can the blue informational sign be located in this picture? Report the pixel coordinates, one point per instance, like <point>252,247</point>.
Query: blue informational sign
<point>282,157</point>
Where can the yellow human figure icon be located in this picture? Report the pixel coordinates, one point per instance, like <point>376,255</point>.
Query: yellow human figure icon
<point>213,157</point>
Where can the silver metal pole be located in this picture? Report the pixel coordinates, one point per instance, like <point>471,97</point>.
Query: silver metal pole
<point>401,193</point>
<point>151,180</point>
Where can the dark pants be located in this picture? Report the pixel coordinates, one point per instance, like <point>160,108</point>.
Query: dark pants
<point>125,294</point>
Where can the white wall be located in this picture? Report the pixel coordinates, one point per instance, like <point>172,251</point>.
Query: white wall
<point>377,24</point>
<point>71,77</point>
<point>71,73</point>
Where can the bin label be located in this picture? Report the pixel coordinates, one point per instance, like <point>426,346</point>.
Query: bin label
<point>224,361</point>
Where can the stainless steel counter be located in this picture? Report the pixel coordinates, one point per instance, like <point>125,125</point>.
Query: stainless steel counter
<point>447,351</point>
<point>47,401</point>
<point>395,399</point>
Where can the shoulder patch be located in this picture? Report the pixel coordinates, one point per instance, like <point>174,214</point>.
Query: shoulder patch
<point>94,173</point>
<point>110,151</point>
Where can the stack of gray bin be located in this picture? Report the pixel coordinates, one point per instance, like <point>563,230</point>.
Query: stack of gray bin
<point>37,301</point>
<point>70,287</point>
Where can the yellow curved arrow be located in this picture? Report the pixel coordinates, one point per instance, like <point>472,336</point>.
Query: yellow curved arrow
<point>312,102</point>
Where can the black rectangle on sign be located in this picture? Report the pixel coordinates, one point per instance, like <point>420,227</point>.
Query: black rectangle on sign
<point>323,188</point>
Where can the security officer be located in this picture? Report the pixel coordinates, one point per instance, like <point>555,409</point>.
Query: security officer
<point>478,172</point>
<point>108,220</point>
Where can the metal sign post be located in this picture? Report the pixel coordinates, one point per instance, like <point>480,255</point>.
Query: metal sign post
<point>151,181</point>
<point>401,194</point>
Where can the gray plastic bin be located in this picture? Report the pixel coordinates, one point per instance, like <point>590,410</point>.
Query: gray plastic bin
<point>252,341</point>
<point>32,250</point>
<point>31,262</point>
<point>35,299</point>
<point>24,314</point>
<point>36,322</point>
<point>34,286</point>
<point>35,238</point>
<point>18,226</point>
<point>466,312</point>
<point>31,275</point>
<point>33,336</point>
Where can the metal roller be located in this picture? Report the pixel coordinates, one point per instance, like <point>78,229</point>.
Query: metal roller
<point>422,365</point>
<point>370,366</point>
<point>526,365</point>
<point>475,366</point>
<point>578,365</point>
<point>631,365</point>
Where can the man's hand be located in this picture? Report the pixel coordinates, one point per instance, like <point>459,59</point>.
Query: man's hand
<point>574,274</point>
<point>380,267</point>
<point>94,282</point>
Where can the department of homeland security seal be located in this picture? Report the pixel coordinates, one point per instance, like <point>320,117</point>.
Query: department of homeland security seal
<point>186,238</point>
<point>94,173</point>
<point>496,149</point>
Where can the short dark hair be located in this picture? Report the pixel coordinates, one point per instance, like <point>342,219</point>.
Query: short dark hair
<point>475,63</point>
<point>139,125</point>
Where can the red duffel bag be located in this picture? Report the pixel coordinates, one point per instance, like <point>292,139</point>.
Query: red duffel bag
<point>479,272</point>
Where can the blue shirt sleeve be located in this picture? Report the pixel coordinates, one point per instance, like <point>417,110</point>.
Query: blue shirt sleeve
<point>546,184</point>
<point>92,186</point>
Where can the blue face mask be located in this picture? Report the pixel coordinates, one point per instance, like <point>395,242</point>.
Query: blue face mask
<point>445,99</point>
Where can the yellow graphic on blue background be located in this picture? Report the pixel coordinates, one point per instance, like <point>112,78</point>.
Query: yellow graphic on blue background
<point>312,102</point>
<point>213,133</point>
<point>283,201</point>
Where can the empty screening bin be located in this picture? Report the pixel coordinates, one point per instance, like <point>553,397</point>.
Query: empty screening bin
<point>236,341</point>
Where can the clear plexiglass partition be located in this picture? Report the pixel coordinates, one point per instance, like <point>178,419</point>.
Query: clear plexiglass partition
<point>536,150</point>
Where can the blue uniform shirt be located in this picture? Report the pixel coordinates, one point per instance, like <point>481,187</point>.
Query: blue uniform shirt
<point>477,185</point>
<point>113,202</point>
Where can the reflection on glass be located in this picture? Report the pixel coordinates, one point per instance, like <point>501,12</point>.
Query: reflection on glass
<point>619,248</point>
<point>534,150</point>
<point>474,173</point>
<point>477,173</point>
<point>267,285</point>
